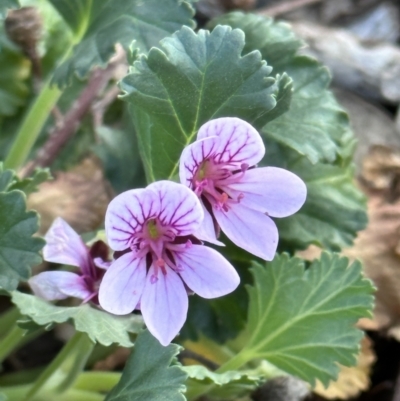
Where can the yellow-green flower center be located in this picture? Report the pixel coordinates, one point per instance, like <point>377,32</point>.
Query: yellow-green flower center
<point>153,231</point>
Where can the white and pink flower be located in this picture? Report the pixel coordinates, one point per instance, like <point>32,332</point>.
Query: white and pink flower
<point>65,246</point>
<point>237,197</point>
<point>162,261</point>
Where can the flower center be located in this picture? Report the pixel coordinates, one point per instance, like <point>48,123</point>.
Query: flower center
<point>152,229</point>
<point>212,178</point>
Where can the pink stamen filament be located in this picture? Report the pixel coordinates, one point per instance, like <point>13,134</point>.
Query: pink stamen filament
<point>212,177</point>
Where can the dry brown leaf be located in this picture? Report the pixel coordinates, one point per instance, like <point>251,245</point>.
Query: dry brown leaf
<point>80,196</point>
<point>351,381</point>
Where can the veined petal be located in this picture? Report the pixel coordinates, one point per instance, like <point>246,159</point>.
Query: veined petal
<point>126,214</point>
<point>193,156</point>
<point>65,246</point>
<point>249,229</point>
<point>206,272</point>
<point>164,305</point>
<point>206,231</point>
<point>122,284</point>
<point>56,285</point>
<point>180,208</point>
<point>273,190</point>
<point>239,142</point>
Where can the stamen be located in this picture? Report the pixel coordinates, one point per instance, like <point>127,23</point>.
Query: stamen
<point>160,263</point>
<point>188,244</point>
<point>153,279</point>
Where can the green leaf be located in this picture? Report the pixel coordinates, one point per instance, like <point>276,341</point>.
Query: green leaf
<point>18,250</point>
<point>148,374</point>
<point>191,79</point>
<point>303,321</point>
<point>274,39</point>
<point>10,181</point>
<point>100,326</point>
<point>101,24</point>
<point>315,126</point>
<point>219,386</point>
<point>334,210</point>
<point>7,177</point>
<point>6,5</point>
<point>31,184</point>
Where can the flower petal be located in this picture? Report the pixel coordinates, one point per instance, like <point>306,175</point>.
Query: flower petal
<point>164,305</point>
<point>239,142</point>
<point>65,246</point>
<point>273,190</point>
<point>206,231</point>
<point>249,229</point>
<point>59,285</point>
<point>180,208</point>
<point>126,214</point>
<point>122,284</point>
<point>206,272</point>
<point>193,156</point>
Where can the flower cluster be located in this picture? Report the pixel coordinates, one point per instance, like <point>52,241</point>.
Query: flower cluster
<point>157,232</point>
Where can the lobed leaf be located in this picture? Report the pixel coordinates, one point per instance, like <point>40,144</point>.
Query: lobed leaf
<point>275,40</point>
<point>148,374</point>
<point>219,386</point>
<point>100,326</point>
<point>18,250</point>
<point>101,24</point>
<point>315,126</point>
<point>303,321</point>
<point>10,181</point>
<point>190,79</point>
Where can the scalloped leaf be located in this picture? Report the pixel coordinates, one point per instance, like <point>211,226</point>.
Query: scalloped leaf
<point>303,320</point>
<point>10,181</point>
<point>100,326</point>
<point>315,126</point>
<point>101,24</point>
<point>274,39</point>
<point>19,251</point>
<point>219,386</point>
<point>193,78</point>
<point>148,374</point>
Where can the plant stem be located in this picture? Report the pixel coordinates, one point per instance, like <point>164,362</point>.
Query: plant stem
<point>16,393</point>
<point>97,381</point>
<point>234,363</point>
<point>32,126</point>
<point>8,319</point>
<point>10,341</point>
<point>65,368</point>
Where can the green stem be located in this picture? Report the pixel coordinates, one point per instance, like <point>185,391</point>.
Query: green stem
<point>97,381</point>
<point>234,363</point>
<point>65,368</point>
<point>10,341</point>
<point>8,319</point>
<point>32,125</point>
<point>16,393</point>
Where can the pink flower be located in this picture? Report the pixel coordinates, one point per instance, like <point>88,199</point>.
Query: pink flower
<point>163,261</point>
<point>64,246</point>
<point>236,197</point>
